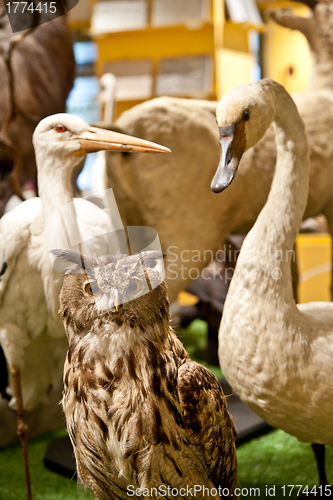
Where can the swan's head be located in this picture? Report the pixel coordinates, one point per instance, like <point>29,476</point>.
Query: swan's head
<point>63,135</point>
<point>243,116</point>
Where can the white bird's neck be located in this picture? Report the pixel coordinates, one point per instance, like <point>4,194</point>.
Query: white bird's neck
<point>268,248</point>
<point>54,182</point>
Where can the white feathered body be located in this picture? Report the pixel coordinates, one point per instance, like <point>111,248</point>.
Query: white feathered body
<point>31,333</point>
<point>278,356</point>
<point>278,359</point>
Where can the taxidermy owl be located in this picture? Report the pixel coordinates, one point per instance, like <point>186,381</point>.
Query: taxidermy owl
<point>142,417</point>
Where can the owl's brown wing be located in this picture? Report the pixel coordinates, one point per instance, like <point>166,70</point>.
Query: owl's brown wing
<point>208,422</point>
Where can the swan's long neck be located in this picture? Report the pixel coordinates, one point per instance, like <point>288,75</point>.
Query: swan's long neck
<point>268,248</point>
<point>54,181</point>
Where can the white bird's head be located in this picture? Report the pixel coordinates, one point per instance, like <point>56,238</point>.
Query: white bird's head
<point>243,116</point>
<point>67,136</point>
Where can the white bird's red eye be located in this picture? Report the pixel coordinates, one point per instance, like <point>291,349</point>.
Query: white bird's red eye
<point>60,128</point>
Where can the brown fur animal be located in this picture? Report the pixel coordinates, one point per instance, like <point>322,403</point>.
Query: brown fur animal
<point>43,69</point>
<point>139,412</point>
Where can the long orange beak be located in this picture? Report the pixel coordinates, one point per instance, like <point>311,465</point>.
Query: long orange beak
<point>97,139</point>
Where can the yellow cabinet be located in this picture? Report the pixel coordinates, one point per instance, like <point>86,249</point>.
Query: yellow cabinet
<point>169,47</point>
<point>314,260</point>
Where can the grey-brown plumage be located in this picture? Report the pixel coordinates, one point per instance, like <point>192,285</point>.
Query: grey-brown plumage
<point>139,412</point>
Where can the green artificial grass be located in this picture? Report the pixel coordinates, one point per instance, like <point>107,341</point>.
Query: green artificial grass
<point>279,459</point>
<point>194,338</point>
<point>45,485</point>
<point>274,459</point>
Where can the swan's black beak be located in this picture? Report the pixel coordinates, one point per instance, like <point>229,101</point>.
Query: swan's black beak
<point>232,141</point>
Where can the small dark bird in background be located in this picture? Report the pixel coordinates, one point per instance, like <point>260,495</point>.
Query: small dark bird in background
<point>140,413</point>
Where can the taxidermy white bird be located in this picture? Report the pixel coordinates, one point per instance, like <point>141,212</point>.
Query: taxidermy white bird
<point>140,413</point>
<point>31,333</point>
<point>276,355</point>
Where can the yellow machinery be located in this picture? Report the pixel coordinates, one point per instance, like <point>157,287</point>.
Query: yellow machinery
<point>188,48</point>
<point>147,44</point>
<point>185,49</point>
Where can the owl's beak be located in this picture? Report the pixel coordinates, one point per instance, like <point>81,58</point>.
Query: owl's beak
<point>97,139</point>
<point>116,299</point>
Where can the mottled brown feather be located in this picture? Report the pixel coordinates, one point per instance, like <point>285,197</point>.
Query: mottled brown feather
<point>139,412</point>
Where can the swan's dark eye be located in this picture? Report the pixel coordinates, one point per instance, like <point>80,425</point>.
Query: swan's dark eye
<point>60,128</point>
<point>246,115</point>
<point>135,286</point>
<point>92,289</point>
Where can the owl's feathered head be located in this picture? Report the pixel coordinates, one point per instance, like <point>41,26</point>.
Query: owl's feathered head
<point>126,289</point>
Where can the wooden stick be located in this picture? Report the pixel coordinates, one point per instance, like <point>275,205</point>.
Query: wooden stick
<point>22,428</point>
